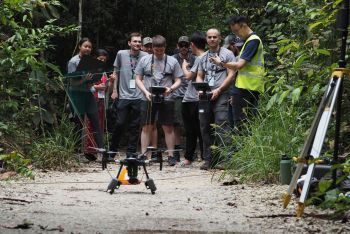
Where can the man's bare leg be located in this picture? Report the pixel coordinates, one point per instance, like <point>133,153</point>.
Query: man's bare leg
<point>146,137</point>
<point>170,142</point>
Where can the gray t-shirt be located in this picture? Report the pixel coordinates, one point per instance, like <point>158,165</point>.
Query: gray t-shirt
<point>125,65</point>
<point>180,92</point>
<point>215,75</point>
<point>159,72</point>
<point>73,64</point>
<point>191,94</point>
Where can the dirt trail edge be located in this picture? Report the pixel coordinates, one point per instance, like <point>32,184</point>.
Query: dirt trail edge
<point>187,200</point>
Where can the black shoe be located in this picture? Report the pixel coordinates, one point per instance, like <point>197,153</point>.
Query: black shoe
<point>177,153</point>
<point>194,157</point>
<point>172,161</point>
<point>177,156</point>
<point>204,166</point>
<point>154,155</point>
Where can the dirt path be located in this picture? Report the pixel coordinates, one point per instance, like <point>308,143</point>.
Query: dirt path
<point>187,201</point>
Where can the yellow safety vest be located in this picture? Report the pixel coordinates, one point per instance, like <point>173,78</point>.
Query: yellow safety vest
<point>251,75</point>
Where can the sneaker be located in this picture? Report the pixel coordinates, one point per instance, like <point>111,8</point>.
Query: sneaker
<point>177,156</point>
<point>154,155</point>
<point>195,156</point>
<point>177,153</point>
<point>204,166</point>
<point>172,161</point>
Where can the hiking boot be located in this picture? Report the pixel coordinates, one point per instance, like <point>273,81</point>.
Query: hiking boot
<point>172,161</point>
<point>204,166</point>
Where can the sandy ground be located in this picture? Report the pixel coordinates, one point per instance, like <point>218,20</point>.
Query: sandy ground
<point>187,200</point>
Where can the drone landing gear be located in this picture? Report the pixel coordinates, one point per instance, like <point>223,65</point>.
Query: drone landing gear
<point>127,175</point>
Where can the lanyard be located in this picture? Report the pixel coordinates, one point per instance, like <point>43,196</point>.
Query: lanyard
<point>152,64</point>
<point>206,63</point>
<point>133,66</point>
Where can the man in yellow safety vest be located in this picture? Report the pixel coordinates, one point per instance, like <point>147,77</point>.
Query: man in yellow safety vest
<point>249,82</point>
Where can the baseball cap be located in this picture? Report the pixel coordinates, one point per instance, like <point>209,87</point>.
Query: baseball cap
<point>232,39</point>
<point>146,40</point>
<point>183,39</point>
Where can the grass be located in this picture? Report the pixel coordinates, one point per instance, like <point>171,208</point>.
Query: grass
<point>57,150</point>
<point>261,142</point>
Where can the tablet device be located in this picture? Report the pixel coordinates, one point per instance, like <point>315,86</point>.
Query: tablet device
<point>90,64</point>
<point>201,86</point>
<point>157,89</point>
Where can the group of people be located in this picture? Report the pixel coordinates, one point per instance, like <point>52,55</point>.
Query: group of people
<point>234,77</point>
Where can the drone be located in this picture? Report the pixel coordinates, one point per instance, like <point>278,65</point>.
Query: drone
<point>129,168</point>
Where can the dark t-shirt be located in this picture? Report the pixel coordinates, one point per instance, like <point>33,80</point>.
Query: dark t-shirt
<point>180,92</point>
<point>250,49</point>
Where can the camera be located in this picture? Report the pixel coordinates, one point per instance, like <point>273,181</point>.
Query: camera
<point>158,93</point>
<point>203,89</point>
<point>205,95</point>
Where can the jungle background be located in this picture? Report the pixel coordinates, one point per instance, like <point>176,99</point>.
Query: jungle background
<point>37,38</point>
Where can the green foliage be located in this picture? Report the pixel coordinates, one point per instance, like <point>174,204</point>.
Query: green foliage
<point>261,142</point>
<point>296,53</point>
<point>57,149</point>
<point>16,162</point>
<point>29,88</point>
<point>328,197</point>
<point>300,52</point>
<point>301,49</point>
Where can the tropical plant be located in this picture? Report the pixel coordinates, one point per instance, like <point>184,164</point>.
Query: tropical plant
<point>29,91</point>
<point>256,147</point>
<point>57,149</point>
<point>16,162</point>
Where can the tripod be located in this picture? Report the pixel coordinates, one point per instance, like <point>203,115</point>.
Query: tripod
<point>314,142</point>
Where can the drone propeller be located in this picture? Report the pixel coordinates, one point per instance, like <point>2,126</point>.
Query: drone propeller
<point>153,149</point>
<point>106,156</point>
<point>102,150</point>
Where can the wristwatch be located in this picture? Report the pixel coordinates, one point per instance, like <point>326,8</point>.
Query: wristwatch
<point>222,63</point>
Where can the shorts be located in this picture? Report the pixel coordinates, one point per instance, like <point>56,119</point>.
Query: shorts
<point>162,113</point>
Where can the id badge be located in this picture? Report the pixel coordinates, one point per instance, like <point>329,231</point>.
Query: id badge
<point>211,81</point>
<point>132,84</point>
<point>101,94</point>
